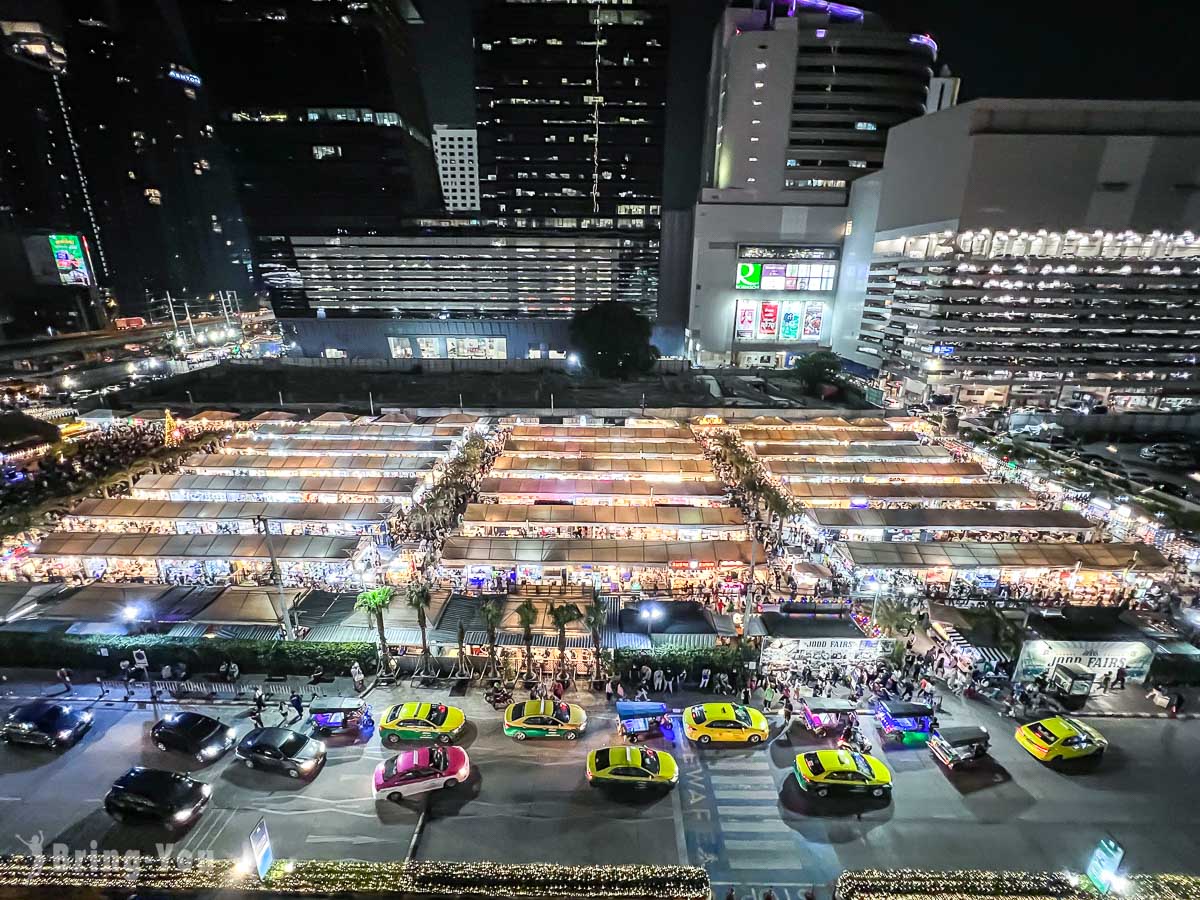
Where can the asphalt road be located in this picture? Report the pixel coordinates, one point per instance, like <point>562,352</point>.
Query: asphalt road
<point>737,811</point>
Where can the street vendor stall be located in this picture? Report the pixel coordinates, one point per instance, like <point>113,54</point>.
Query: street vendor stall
<point>603,492</point>
<point>790,471</point>
<point>849,495</point>
<point>853,452</point>
<point>605,449</point>
<point>314,466</point>
<point>653,523</point>
<point>355,432</point>
<point>816,437</point>
<point>970,525</point>
<point>241,488</point>
<point>669,469</point>
<point>260,445</point>
<point>610,565</point>
<point>600,432</point>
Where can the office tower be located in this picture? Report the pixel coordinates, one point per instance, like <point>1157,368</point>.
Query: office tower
<point>321,110</point>
<point>802,95</point>
<point>457,154</point>
<point>943,91</point>
<point>160,182</point>
<point>51,255</point>
<point>1030,252</point>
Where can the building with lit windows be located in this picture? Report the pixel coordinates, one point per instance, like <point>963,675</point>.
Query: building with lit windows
<point>802,95</point>
<point>456,151</point>
<point>1017,252</point>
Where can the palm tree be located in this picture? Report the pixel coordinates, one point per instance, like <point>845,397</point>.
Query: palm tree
<point>462,666</point>
<point>893,618</point>
<point>562,615</point>
<point>374,603</point>
<point>527,614</point>
<point>418,596</point>
<point>491,612</point>
<point>595,617</point>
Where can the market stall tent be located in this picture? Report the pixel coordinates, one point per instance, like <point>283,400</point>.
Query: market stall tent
<point>817,493</point>
<point>464,551</point>
<point>1096,556</point>
<point>959,519</point>
<point>334,417</point>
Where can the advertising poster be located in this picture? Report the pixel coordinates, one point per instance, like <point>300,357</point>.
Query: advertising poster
<point>774,277</point>
<point>780,653</point>
<point>814,315</point>
<point>69,259</point>
<point>789,330</point>
<point>749,276</point>
<point>1038,657</point>
<point>743,326</point>
<point>768,320</point>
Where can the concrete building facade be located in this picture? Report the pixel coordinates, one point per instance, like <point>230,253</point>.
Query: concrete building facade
<point>1031,252</point>
<point>457,154</point>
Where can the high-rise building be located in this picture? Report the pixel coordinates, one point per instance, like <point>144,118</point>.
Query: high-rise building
<point>1030,251</point>
<point>51,255</point>
<point>160,184</point>
<point>802,94</point>
<point>321,110</point>
<point>457,153</point>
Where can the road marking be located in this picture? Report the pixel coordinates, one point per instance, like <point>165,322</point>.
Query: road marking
<point>742,763</point>
<point>757,825</point>
<point>758,865</point>
<point>412,845</point>
<point>680,836</point>
<point>346,839</point>
<point>760,846</point>
<point>735,794</point>
<point>755,810</point>
<point>747,780</point>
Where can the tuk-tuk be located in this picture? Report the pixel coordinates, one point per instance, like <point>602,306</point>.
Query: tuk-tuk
<point>959,746</point>
<point>640,720</point>
<point>827,715</point>
<point>1070,684</point>
<point>336,714</point>
<point>905,723</point>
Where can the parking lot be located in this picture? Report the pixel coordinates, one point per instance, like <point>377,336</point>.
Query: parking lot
<point>737,810</point>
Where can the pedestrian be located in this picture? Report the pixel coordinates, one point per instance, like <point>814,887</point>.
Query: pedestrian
<point>64,675</point>
<point>256,718</point>
<point>705,676</point>
<point>260,701</point>
<point>356,674</point>
<point>235,672</point>
<point>786,718</point>
<point>731,894</point>
<point>1119,681</point>
<point>660,680</point>
<point>297,703</point>
<point>608,691</point>
<point>558,689</point>
<point>1176,706</point>
<point>620,692</point>
<point>641,694</point>
<point>768,698</point>
<point>670,682</point>
<point>745,695</point>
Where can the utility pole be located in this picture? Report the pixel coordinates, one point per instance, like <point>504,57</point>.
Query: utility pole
<point>192,328</point>
<point>174,321</point>
<point>285,614</point>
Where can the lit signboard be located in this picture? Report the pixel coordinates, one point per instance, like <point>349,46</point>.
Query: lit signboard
<point>743,328</point>
<point>943,350</point>
<point>1104,865</point>
<point>69,259</point>
<point>768,320</point>
<point>815,276</point>
<point>789,329</point>
<point>186,77</point>
<point>814,315</point>
<point>786,252</point>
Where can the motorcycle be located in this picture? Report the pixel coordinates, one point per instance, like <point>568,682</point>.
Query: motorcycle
<point>855,741</point>
<point>498,696</point>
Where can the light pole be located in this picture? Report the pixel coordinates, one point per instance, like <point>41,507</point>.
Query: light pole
<point>650,613</point>
<point>285,615</point>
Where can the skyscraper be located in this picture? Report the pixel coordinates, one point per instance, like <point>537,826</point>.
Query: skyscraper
<point>802,94</point>
<point>320,107</point>
<point>457,152</point>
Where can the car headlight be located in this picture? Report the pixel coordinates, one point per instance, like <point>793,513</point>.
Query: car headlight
<point>183,815</point>
<point>211,752</point>
<point>206,790</point>
<point>87,717</point>
<point>675,778</point>
<point>308,765</point>
<point>65,734</point>
<point>463,772</point>
<point>230,733</point>
<point>320,746</point>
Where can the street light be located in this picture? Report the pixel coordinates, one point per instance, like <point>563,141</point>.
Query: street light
<point>650,613</point>
<point>130,612</point>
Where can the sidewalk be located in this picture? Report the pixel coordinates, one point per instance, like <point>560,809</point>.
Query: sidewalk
<point>1131,703</point>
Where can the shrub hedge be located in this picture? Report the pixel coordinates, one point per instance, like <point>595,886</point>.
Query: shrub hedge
<point>201,655</point>
<point>726,658</point>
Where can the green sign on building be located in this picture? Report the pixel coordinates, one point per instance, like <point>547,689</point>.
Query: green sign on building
<point>749,276</point>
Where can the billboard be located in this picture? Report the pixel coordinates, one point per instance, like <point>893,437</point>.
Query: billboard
<point>814,315</point>
<point>785,276</point>
<point>749,276</point>
<point>1039,656</point>
<point>743,327</point>
<point>789,328</point>
<point>69,259</point>
<point>768,320</point>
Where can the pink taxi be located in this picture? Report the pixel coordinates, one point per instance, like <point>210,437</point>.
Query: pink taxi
<point>417,771</point>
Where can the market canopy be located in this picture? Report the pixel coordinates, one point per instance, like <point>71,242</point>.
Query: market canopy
<point>1095,556</point>
<point>468,551</point>
<point>796,435</point>
<point>276,416</point>
<point>601,433</point>
<point>393,418</point>
<point>899,452</point>
<point>793,470</point>
<point>260,444</point>
<point>603,448</point>
<point>567,514</point>
<point>166,487</point>
<point>335,432</point>
<point>853,491</point>
<point>335,417</point>
<point>552,465</point>
<point>100,602</point>
<point>198,510</point>
<point>232,463</point>
<point>970,519</point>
<point>194,546</point>
<point>236,605</point>
<point>214,415</point>
<point>567,490</point>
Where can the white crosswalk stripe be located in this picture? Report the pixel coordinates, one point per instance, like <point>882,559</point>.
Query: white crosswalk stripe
<point>745,794</point>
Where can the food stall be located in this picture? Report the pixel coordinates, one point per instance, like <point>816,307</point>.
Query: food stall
<point>967,525</point>
<point>890,453</point>
<point>601,432</point>
<point>646,523</point>
<point>313,466</point>
<point>790,471</point>
<point>615,566</point>
<point>260,445</point>
<point>355,432</point>
<point>817,437</point>
<point>671,469</point>
<point>241,488</point>
<point>124,516</point>
<point>602,492</point>
<point>605,449</point>
<point>847,495</point>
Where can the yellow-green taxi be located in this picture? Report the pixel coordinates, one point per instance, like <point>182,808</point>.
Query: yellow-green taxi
<point>638,767</point>
<point>825,772</point>
<point>544,718</point>
<point>1061,738</point>
<point>421,722</point>
<point>724,722</point>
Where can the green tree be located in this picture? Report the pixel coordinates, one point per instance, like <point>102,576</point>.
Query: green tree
<point>491,613</point>
<point>595,617</point>
<point>374,603</point>
<point>613,340</point>
<point>562,615</point>
<point>817,368</point>
<point>893,618</point>
<point>527,614</point>
<point>418,595</point>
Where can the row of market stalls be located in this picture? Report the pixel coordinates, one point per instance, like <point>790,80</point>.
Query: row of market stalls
<point>642,523</point>
<point>602,492</point>
<point>252,444</point>
<point>315,466</point>
<point>797,469</point>
<point>939,524</point>
<point>245,488</point>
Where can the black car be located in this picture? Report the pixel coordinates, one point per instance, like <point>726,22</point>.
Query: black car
<point>46,723</point>
<point>283,750</point>
<point>156,797</point>
<point>194,734</point>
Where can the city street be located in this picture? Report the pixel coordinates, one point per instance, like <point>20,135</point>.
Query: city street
<point>737,811</point>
